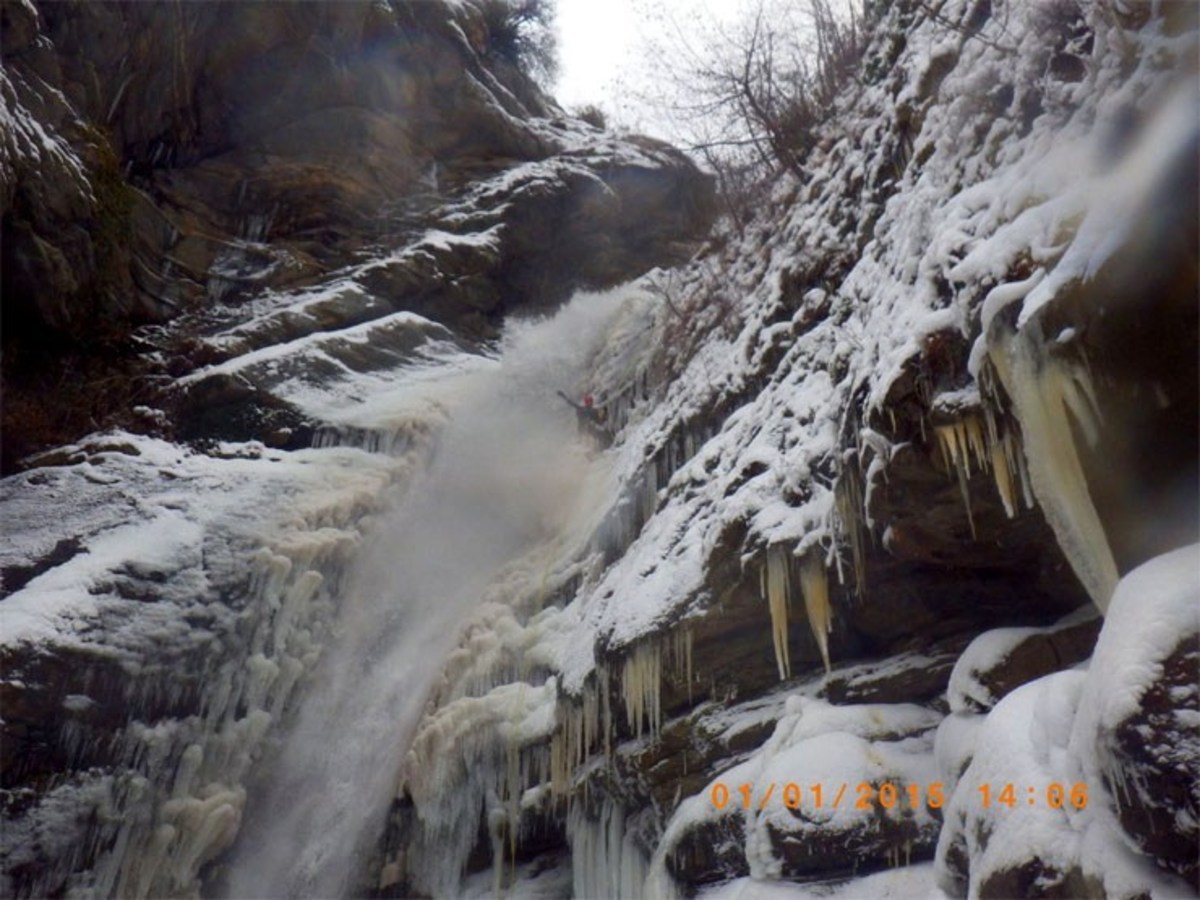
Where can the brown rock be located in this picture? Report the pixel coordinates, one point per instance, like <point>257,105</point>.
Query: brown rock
<point>1041,652</point>
<point>1154,760</point>
<point>712,851</point>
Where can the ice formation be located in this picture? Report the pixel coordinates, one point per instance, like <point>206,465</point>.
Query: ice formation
<point>774,586</point>
<point>605,860</point>
<point>267,533</point>
<point>470,763</point>
<point>1049,394</point>
<point>814,584</point>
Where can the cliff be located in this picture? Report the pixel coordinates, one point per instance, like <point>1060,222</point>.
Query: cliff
<point>887,581</point>
<point>885,457</point>
<point>163,164</point>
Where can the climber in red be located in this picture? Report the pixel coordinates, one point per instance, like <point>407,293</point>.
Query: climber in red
<point>590,418</point>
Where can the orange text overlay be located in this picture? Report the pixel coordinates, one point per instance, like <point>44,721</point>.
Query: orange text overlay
<point>865,795</point>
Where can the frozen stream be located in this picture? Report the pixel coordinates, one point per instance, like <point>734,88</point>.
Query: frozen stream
<point>506,474</point>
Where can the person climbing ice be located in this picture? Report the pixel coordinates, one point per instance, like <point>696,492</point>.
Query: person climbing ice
<point>590,419</point>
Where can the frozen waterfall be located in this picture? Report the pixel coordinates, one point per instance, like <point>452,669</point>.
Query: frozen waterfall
<point>506,473</point>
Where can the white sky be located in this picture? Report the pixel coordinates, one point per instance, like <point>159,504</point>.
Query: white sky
<point>602,45</point>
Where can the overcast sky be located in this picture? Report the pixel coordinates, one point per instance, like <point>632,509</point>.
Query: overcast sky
<point>603,45</point>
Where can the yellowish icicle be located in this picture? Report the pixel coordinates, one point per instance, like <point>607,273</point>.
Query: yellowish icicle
<point>574,739</point>
<point>814,584</point>
<point>641,685</point>
<point>774,585</point>
<point>973,429</point>
<point>953,441</point>
<point>1043,390</point>
<point>1003,477</point>
<point>1079,397</point>
<point>944,434</point>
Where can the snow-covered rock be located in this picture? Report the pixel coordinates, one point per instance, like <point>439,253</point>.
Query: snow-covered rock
<point>1084,782</point>
<point>867,449</point>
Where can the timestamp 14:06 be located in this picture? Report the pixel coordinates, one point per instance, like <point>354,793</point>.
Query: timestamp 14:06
<point>1054,795</point>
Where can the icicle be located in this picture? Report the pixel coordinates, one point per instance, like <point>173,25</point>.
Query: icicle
<point>959,442</point>
<point>1003,477</point>
<point>678,646</point>
<point>641,686</point>
<point>687,669</point>
<point>774,587</point>
<point>605,861</point>
<point>814,584</point>
<point>606,715</point>
<point>1043,390</point>
<point>848,500</point>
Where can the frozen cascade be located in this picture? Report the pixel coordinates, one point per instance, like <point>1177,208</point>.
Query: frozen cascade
<point>1048,393</point>
<point>775,584</point>
<point>175,797</point>
<point>503,477</point>
<point>605,860</point>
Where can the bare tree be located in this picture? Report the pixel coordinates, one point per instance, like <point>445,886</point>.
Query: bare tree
<point>751,94</point>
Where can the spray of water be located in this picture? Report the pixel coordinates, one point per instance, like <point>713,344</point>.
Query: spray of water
<point>506,473</point>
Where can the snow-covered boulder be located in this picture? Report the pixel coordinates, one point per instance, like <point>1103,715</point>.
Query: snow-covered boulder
<point>835,789</point>
<point>1137,734</point>
<point>1001,660</point>
<point>1084,783</point>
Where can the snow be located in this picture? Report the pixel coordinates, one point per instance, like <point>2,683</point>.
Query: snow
<point>23,137</point>
<point>946,220</point>
<point>445,240</point>
<point>986,653</point>
<point>1117,199</point>
<point>156,508</point>
<point>314,344</point>
<point>36,612</point>
<point>816,743</point>
<point>1052,731</point>
<point>914,882</point>
<point>954,746</point>
<point>1155,607</point>
<point>712,438</point>
<point>1008,753</point>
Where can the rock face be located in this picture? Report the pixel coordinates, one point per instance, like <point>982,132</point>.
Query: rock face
<point>889,524</point>
<point>1154,757</point>
<point>215,219</point>
<point>888,434</point>
<point>162,164</point>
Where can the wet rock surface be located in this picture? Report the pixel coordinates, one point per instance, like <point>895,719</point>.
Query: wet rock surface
<point>277,144</point>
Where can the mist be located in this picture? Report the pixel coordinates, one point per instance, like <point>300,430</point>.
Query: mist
<point>506,473</point>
